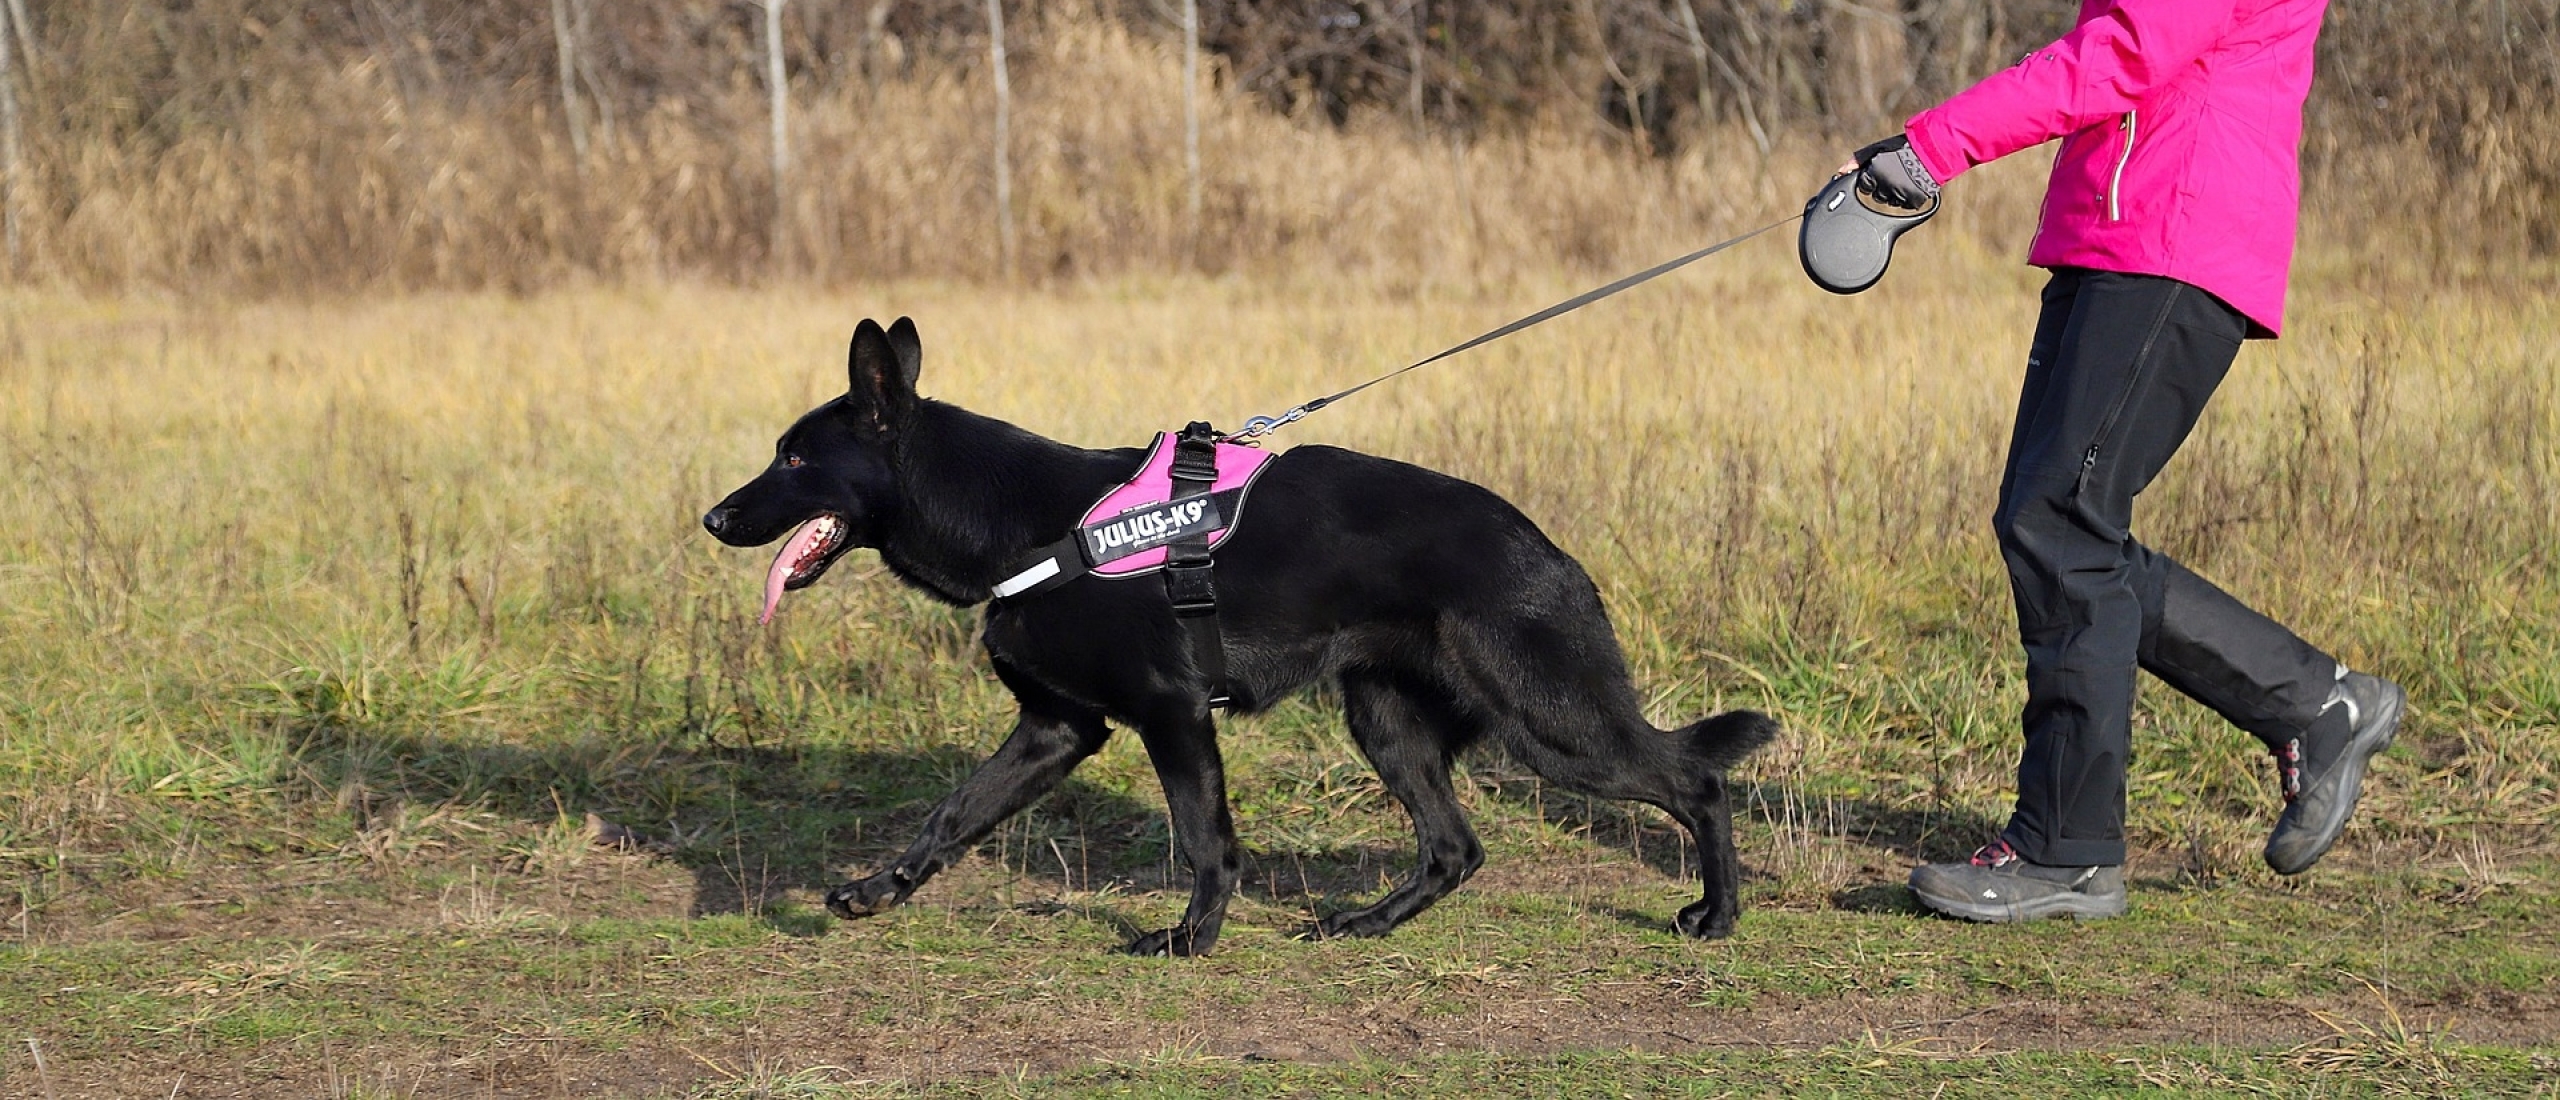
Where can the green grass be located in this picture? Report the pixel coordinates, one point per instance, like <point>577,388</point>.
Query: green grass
<point>2316,984</point>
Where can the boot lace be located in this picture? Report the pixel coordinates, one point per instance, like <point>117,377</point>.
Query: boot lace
<point>1998,853</point>
<point>2289,768</point>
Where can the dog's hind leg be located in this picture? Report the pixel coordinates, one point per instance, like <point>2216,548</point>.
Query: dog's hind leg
<point>1570,714</point>
<point>1678,771</point>
<point>1182,743</point>
<point>1048,741</point>
<point>1710,747</point>
<point>1410,746</point>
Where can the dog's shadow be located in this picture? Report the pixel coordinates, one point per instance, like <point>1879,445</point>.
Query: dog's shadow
<point>758,827</point>
<point>762,829</point>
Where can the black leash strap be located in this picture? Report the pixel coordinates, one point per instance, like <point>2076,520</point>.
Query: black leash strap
<point>1187,573</point>
<point>1264,425</point>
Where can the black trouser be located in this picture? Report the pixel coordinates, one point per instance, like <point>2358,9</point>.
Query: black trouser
<point>2121,367</point>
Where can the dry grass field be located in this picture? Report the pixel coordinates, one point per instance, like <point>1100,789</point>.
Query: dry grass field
<point>330,622</point>
<point>377,721</point>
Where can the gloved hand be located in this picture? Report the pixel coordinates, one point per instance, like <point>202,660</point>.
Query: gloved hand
<point>1890,171</point>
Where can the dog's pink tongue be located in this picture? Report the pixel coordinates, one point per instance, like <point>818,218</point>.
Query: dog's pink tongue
<point>793,549</point>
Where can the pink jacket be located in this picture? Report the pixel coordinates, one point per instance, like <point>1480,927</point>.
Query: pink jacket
<point>2181,122</point>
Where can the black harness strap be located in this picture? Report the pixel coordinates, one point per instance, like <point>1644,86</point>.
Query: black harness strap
<point>1187,573</point>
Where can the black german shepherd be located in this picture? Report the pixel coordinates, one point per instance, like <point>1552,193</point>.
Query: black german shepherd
<point>1443,613</point>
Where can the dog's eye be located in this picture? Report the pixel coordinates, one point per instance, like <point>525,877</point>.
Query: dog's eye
<point>791,461</point>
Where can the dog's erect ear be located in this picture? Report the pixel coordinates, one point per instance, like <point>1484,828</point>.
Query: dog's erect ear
<point>881,374</point>
<point>902,340</point>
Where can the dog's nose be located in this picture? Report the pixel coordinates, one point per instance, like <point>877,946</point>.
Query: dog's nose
<point>717,519</point>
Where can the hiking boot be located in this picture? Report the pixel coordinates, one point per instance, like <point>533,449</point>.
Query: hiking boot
<point>2322,768</point>
<point>1999,886</point>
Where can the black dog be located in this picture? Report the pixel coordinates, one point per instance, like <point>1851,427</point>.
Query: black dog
<point>1443,613</point>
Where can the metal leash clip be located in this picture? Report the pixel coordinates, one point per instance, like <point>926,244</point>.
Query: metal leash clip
<point>1258,426</point>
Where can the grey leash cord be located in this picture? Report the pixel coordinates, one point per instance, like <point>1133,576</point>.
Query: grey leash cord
<point>1260,426</point>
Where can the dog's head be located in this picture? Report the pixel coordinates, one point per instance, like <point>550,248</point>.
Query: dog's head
<point>831,483</point>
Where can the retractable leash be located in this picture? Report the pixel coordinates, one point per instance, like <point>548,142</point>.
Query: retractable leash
<point>1845,243</point>
<point>1260,426</point>
<point>1190,492</point>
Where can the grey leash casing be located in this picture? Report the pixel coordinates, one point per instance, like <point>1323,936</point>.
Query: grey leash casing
<point>1846,244</point>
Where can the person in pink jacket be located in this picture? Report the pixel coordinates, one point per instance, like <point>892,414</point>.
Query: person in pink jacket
<point>2168,225</point>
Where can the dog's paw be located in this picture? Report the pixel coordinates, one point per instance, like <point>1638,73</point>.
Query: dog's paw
<point>1176,942</point>
<point>1356,924</point>
<point>868,897</point>
<point>1701,921</point>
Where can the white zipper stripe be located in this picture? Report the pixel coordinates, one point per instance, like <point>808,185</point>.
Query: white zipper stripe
<point>2115,183</point>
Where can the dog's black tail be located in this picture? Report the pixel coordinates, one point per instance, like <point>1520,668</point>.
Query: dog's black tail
<point>1719,742</point>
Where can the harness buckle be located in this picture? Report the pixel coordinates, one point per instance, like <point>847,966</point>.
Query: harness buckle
<point>1192,586</point>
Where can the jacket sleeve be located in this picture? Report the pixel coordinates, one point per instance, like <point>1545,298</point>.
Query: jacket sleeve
<point>2103,68</point>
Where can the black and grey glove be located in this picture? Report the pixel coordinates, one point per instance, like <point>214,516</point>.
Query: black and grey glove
<point>1891,171</point>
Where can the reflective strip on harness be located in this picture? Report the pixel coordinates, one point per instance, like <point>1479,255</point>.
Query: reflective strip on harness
<point>1023,581</point>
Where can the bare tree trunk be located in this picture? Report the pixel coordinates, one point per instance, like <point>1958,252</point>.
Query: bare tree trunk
<point>1741,90</point>
<point>26,37</point>
<point>1421,11</point>
<point>567,42</point>
<point>1629,93</point>
<point>1191,126</point>
<point>1698,57</point>
<point>582,29</point>
<point>779,240</point>
<point>1004,136</point>
<point>9,145</point>
<point>875,27</point>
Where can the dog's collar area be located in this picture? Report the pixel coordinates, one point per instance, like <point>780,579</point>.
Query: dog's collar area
<point>1184,501</point>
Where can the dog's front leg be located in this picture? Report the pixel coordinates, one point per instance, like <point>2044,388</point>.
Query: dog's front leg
<point>1044,747</point>
<point>1183,745</point>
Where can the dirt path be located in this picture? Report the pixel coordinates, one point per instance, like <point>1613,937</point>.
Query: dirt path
<point>583,983</point>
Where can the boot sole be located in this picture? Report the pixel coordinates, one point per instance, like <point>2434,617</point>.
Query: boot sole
<point>2360,755</point>
<point>2049,906</point>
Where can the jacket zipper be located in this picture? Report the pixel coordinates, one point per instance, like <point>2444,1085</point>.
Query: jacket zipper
<point>2115,183</point>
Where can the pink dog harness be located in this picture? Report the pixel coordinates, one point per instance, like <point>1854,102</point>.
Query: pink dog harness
<point>1183,503</point>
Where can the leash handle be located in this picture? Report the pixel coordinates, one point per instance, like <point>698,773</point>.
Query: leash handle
<point>1260,426</point>
<point>1846,244</point>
